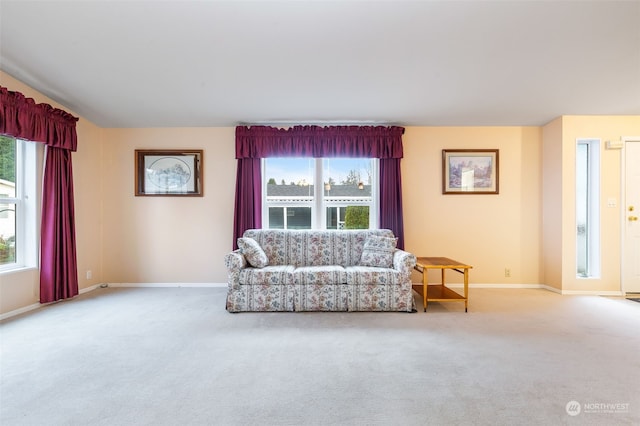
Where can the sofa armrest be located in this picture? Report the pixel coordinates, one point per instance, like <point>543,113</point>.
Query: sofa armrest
<point>234,261</point>
<point>404,261</point>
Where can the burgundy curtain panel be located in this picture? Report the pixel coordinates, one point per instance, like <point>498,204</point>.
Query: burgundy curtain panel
<point>258,142</point>
<point>248,205</point>
<point>21,117</point>
<point>391,198</point>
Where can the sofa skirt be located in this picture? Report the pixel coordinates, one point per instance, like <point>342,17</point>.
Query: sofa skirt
<point>321,297</point>
<point>325,297</point>
<point>377,297</point>
<point>261,298</point>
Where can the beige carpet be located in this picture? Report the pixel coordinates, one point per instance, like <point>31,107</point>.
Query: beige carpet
<point>174,356</point>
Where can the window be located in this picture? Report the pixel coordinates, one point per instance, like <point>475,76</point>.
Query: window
<point>18,224</point>
<point>345,198</point>
<point>587,208</point>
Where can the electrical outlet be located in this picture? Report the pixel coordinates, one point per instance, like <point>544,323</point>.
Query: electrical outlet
<point>89,274</point>
<point>507,272</point>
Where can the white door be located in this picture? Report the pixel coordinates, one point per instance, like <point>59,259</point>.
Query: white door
<point>631,225</point>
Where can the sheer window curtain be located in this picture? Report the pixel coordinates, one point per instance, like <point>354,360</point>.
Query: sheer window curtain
<point>21,117</point>
<point>257,142</point>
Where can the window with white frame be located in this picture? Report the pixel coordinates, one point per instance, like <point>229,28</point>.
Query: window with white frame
<point>320,193</point>
<point>588,208</point>
<point>18,210</point>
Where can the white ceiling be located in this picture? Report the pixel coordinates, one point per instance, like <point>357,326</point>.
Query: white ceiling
<point>411,63</point>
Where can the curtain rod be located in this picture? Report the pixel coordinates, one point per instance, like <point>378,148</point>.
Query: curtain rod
<point>318,123</point>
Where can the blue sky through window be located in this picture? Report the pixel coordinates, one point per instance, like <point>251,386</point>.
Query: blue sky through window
<point>298,170</point>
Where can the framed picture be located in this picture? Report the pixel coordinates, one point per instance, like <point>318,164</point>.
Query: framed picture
<point>470,171</point>
<point>168,172</point>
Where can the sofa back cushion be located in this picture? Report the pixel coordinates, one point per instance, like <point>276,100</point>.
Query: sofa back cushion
<point>378,252</point>
<point>314,247</point>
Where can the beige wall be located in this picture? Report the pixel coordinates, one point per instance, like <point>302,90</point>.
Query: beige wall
<point>147,241</point>
<point>552,180</point>
<point>168,239</point>
<point>489,232</point>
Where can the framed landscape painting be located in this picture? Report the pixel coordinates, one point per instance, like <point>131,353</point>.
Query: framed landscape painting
<point>168,172</point>
<point>470,171</point>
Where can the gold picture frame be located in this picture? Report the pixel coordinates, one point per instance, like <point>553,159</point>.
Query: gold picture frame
<point>470,171</point>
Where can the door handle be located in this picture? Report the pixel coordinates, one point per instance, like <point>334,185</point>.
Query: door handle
<point>633,218</point>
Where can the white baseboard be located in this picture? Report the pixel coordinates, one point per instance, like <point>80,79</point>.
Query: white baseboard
<point>490,285</point>
<point>20,311</point>
<point>452,285</point>
<point>552,289</point>
<point>591,293</point>
<point>88,289</point>
<point>541,286</point>
<point>39,305</point>
<point>583,292</point>
<point>164,285</point>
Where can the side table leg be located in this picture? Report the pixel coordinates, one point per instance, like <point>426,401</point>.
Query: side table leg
<point>425,283</point>
<point>466,288</point>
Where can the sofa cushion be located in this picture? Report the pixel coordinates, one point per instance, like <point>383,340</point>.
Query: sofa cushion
<point>371,275</point>
<point>311,275</point>
<point>269,275</point>
<point>253,252</point>
<point>378,251</point>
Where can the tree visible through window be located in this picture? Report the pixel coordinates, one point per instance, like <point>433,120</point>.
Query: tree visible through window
<point>8,200</point>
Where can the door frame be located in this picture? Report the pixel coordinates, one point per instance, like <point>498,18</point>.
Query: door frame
<point>623,207</point>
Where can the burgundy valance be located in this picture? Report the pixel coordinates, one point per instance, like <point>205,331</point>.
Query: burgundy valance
<point>318,141</point>
<point>23,118</point>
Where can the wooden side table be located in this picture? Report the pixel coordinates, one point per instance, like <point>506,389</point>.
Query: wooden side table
<point>440,292</point>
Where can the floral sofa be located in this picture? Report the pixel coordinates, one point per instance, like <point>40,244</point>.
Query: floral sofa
<point>312,270</point>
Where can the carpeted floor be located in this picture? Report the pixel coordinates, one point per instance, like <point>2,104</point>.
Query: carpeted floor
<point>174,356</point>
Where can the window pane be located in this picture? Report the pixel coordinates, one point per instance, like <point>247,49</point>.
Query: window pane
<point>333,218</point>
<point>356,217</point>
<point>7,233</point>
<point>276,217</point>
<point>293,174</point>
<point>298,217</point>
<point>7,208</point>
<point>347,178</point>
<point>582,208</point>
<point>8,166</point>
<point>290,217</point>
<point>348,217</point>
<point>588,208</point>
